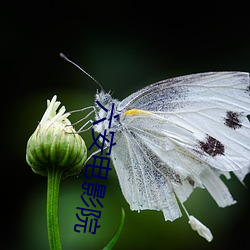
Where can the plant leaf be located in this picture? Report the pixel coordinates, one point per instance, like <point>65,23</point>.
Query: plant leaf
<point>117,234</point>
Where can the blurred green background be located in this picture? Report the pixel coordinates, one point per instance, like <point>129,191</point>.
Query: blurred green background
<point>125,47</point>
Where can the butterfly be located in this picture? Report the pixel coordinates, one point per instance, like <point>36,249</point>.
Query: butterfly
<point>178,134</point>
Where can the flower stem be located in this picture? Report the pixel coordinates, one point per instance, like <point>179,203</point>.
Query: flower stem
<point>54,177</point>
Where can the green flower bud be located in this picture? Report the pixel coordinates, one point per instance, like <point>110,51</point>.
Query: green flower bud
<point>55,143</point>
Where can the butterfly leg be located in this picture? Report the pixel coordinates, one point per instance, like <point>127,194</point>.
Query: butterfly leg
<point>81,129</point>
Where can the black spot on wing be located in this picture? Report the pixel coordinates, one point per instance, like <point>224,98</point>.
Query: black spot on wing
<point>190,181</point>
<point>233,119</point>
<point>212,146</point>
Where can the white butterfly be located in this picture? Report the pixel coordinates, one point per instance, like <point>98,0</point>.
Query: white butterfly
<point>178,134</point>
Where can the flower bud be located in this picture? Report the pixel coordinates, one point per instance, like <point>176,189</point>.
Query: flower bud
<point>55,143</point>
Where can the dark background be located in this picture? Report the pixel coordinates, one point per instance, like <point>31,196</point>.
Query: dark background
<point>125,45</point>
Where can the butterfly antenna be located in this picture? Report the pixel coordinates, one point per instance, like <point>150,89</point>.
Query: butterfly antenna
<point>68,60</point>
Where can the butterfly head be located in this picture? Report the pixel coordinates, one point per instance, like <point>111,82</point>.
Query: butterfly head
<point>106,107</point>
<point>104,98</point>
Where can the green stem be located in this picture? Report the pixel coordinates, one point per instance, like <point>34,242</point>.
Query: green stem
<point>54,177</point>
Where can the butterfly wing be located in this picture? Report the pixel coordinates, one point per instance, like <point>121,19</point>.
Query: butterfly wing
<point>153,169</point>
<point>140,185</point>
<point>213,106</point>
<point>179,134</point>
